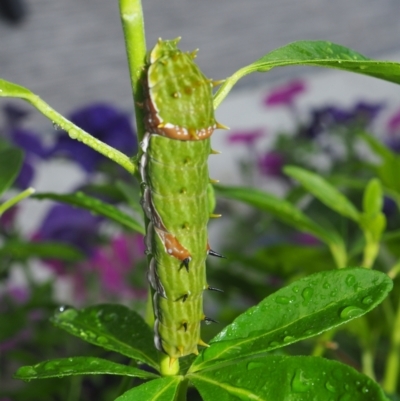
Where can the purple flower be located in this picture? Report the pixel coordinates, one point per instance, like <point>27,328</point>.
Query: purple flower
<point>285,95</point>
<point>105,123</point>
<point>7,219</point>
<point>389,206</point>
<point>28,141</point>
<point>306,239</point>
<point>114,262</point>
<point>393,144</point>
<point>25,176</point>
<point>271,164</point>
<point>328,117</point>
<point>393,124</point>
<point>69,225</point>
<point>14,114</point>
<point>247,138</point>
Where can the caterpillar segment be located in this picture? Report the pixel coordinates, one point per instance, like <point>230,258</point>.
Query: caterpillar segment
<point>179,120</point>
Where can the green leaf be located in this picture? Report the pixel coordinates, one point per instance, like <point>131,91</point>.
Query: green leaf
<point>164,389</point>
<point>113,327</point>
<point>284,378</point>
<point>95,206</point>
<point>303,309</point>
<point>280,208</point>
<point>324,191</point>
<point>289,214</point>
<point>390,165</point>
<point>10,164</point>
<point>19,250</point>
<point>79,365</point>
<point>314,53</point>
<point>373,198</point>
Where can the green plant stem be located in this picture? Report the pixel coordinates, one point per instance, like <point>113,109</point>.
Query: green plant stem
<point>394,271</point>
<point>166,367</point>
<point>229,83</point>
<point>135,44</point>
<point>367,361</point>
<point>371,250</point>
<point>182,391</point>
<point>74,388</point>
<point>11,202</point>
<point>320,346</point>
<point>393,360</point>
<point>339,254</point>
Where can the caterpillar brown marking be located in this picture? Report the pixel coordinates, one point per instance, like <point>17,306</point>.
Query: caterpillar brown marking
<point>179,120</point>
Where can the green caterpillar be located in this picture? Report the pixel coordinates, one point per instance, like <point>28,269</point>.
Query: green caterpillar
<point>179,120</point>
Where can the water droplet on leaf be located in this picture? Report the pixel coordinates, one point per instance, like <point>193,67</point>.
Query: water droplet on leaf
<point>282,300</point>
<point>288,339</point>
<point>73,134</point>
<point>307,295</point>
<point>102,340</point>
<point>255,365</point>
<point>299,383</point>
<point>350,280</point>
<point>351,312</point>
<point>367,300</point>
<point>330,387</point>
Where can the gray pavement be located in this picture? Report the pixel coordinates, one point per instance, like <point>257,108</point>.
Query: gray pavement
<point>71,51</point>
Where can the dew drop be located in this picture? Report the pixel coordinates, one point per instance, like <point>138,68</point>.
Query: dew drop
<point>350,312</point>
<point>66,313</point>
<point>288,339</point>
<point>26,371</point>
<point>330,387</point>
<point>365,390</point>
<point>56,126</point>
<point>102,340</point>
<point>326,285</point>
<point>350,280</point>
<point>367,300</point>
<point>274,344</point>
<point>299,383</point>
<point>295,289</point>
<point>63,308</point>
<point>109,317</point>
<point>255,365</point>
<point>307,295</point>
<point>282,300</point>
<point>52,365</point>
<point>73,134</point>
